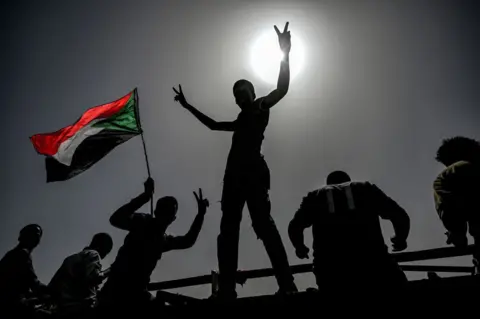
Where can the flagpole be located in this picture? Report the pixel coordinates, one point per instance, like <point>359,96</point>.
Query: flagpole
<point>148,168</point>
<point>144,148</point>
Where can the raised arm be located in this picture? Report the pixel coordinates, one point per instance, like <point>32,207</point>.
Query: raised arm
<point>284,77</point>
<point>123,217</point>
<point>188,240</point>
<point>388,209</point>
<point>297,226</point>
<point>204,119</point>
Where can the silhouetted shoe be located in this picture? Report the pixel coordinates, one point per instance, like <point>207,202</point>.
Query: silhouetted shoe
<point>286,291</point>
<point>224,297</point>
<point>433,276</point>
<point>457,240</point>
<point>476,269</point>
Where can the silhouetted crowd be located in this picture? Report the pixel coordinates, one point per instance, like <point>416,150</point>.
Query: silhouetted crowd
<point>348,244</point>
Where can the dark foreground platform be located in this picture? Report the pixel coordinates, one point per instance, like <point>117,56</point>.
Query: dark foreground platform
<point>447,296</point>
<point>437,295</point>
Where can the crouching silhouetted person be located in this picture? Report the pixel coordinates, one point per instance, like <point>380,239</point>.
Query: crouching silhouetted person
<point>18,281</point>
<point>456,192</point>
<point>126,286</point>
<point>349,250</point>
<point>74,286</point>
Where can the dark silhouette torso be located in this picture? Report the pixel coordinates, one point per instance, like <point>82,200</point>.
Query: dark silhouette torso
<point>245,152</point>
<point>142,249</point>
<point>346,229</point>
<point>17,275</point>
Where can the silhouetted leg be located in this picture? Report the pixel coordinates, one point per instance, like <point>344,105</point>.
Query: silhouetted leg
<point>390,276</point>
<point>317,274</point>
<point>258,202</point>
<point>474,230</point>
<point>334,279</point>
<point>324,283</point>
<point>122,295</point>
<point>233,201</point>
<point>476,254</point>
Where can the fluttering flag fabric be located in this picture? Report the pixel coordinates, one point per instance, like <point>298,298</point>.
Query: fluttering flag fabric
<point>75,148</point>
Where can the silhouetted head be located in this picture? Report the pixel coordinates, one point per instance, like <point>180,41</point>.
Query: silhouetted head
<point>30,236</point>
<point>338,177</point>
<point>102,243</point>
<point>166,209</point>
<point>458,148</point>
<point>244,93</point>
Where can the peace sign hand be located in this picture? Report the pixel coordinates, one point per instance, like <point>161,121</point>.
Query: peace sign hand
<point>284,39</point>
<point>201,202</point>
<point>179,97</point>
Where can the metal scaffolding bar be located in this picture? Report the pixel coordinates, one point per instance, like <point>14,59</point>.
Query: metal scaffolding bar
<point>180,283</point>
<point>427,268</point>
<point>429,254</point>
<point>242,276</point>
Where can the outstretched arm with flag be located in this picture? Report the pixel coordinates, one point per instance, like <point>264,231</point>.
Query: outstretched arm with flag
<point>75,148</point>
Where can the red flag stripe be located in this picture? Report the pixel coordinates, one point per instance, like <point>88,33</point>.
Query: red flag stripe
<point>48,143</point>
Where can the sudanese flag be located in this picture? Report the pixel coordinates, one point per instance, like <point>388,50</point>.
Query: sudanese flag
<point>75,148</point>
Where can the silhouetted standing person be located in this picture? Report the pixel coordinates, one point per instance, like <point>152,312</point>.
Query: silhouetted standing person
<point>144,245</point>
<point>74,286</point>
<point>349,249</point>
<point>18,280</point>
<point>247,177</point>
<point>456,192</point>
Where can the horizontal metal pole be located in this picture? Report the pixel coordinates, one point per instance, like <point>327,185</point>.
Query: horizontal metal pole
<point>174,298</point>
<point>455,269</point>
<point>180,283</point>
<point>428,254</point>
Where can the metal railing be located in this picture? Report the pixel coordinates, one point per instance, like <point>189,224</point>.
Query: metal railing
<point>242,276</point>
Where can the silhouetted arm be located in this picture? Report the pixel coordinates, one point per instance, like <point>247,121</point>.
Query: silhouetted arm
<point>105,273</point>
<point>209,122</point>
<point>188,240</point>
<point>25,262</point>
<point>302,220</point>
<point>204,119</point>
<point>282,85</point>
<point>102,275</point>
<point>388,209</point>
<point>123,217</point>
<point>39,288</point>
<point>93,269</point>
<point>284,77</point>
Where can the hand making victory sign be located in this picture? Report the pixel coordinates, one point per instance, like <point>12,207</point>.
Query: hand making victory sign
<point>180,97</point>
<point>201,202</point>
<point>284,39</point>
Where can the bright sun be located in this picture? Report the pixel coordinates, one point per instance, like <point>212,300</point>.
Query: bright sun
<point>266,56</point>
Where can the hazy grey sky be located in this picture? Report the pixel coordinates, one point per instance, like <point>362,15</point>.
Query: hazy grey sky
<point>383,83</point>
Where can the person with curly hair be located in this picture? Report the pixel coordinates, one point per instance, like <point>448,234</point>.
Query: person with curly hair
<point>456,190</point>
